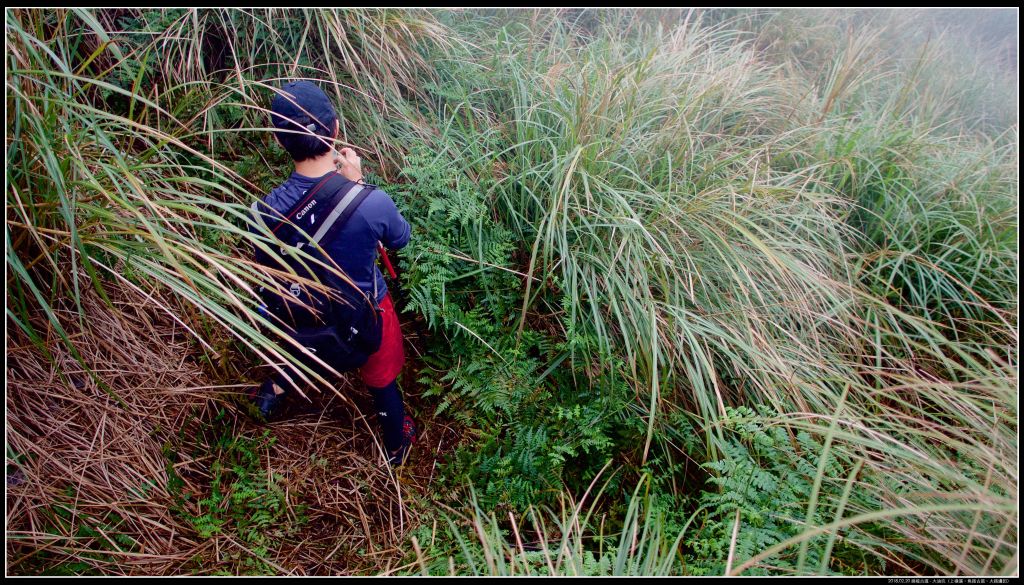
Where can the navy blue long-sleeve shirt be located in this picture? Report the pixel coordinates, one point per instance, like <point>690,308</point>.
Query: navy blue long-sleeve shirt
<point>355,246</point>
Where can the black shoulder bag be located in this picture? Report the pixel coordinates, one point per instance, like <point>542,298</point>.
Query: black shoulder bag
<point>341,327</point>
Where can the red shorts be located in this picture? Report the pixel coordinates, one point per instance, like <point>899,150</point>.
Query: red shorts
<point>385,365</point>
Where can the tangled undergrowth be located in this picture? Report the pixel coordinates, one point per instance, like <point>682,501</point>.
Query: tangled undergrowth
<point>689,292</point>
<point>149,466</point>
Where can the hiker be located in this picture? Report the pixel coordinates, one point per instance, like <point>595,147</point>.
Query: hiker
<point>323,182</point>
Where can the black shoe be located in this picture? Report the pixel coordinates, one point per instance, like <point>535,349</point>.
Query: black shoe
<point>399,456</point>
<point>266,400</point>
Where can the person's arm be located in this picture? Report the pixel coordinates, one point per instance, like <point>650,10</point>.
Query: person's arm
<point>394,230</point>
<point>388,224</point>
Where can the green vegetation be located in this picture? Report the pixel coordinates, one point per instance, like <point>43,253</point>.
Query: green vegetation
<point>244,501</point>
<point>690,292</point>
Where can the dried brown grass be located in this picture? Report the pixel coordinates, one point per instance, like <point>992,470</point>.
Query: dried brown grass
<point>80,450</point>
<point>85,474</point>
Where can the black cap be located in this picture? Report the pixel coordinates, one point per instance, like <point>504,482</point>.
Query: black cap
<point>301,105</point>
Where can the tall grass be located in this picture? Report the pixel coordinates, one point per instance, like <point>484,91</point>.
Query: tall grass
<point>569,541</point>
<point>148,196</point>
<point>806,213</point>
<point>124,179</point>
<point>711,219</point>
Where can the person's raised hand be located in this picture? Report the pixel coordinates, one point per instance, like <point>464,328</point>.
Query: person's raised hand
<point>349,164</point>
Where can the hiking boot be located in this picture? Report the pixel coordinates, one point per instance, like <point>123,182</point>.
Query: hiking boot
<point>399,456</point>
<point>266,400</point>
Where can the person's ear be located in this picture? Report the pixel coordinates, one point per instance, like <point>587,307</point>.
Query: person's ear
<point>337,128</point>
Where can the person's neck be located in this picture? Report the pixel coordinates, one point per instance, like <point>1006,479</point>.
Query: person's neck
<point>316,167</point>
